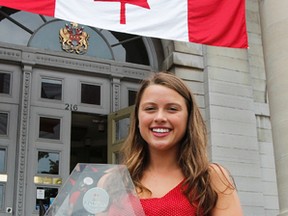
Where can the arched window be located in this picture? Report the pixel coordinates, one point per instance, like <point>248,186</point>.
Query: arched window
<point>27,29</point>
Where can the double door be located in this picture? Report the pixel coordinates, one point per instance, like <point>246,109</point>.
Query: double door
<point>9,115</point>
<point>67,120</point>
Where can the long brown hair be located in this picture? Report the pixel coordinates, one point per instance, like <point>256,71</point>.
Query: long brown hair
<point>192,157</point>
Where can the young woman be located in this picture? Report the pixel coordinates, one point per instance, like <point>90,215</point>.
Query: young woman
<point>165,153</point>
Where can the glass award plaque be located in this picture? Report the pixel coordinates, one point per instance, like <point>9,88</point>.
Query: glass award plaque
<point>97,189</point>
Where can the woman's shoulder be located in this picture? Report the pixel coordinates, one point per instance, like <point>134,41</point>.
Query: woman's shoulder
<point>228,202</point>
<point>221,179</point>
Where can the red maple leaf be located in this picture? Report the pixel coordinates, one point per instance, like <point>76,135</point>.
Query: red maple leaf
<point>140,3</point>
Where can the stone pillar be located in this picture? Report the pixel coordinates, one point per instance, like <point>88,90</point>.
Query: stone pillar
<point>23,141</point>
<point>274,21</point>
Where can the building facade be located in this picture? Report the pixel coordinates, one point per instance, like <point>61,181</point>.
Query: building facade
<point>56,97</point>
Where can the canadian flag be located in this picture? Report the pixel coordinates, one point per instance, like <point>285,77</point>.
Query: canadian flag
<point>211,22</point>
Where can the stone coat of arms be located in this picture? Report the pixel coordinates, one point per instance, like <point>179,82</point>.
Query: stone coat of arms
<point>74,39</point>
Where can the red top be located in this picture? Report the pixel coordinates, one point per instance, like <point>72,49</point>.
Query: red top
<point>174,203</point>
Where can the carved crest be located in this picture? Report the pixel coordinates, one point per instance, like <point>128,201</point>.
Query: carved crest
<point>74,39</point>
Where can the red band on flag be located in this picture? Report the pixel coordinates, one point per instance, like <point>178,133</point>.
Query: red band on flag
<point>219,23</point>
<point>43,7</point>
<point>122,13</point>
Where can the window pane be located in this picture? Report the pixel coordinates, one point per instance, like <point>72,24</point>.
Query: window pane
<point>90,94</point>
<point>48,163</point>
<point>133,49</point>
<point>131,97</point>
<point>49,195</point>
<point>49,128</point>
<point>122,128</point>
<point>118,157</point>
<point>2,160</point>
<point>3,123</point>
<point>1,196</point>
<point>5,83</point>
<point>51,89</point>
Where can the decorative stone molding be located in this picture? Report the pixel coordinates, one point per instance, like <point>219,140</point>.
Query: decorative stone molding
<point>10,54</point>
<point>75,63</point>
<point>135,73</point>
<point>115,94</point>
<point>23,142</point>
<point>92,66</point>
<point>105,67</point>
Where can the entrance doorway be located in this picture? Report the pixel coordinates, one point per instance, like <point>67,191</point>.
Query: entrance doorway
<point>88,139</point>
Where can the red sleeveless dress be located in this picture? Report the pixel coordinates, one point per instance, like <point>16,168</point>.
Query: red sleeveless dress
<point>174,203</point>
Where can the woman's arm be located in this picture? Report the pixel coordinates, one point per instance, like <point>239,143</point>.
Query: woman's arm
<point>228,203</point>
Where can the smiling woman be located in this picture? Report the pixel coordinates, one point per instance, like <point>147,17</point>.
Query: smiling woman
<point>165,152</point>
<point>162,118</point>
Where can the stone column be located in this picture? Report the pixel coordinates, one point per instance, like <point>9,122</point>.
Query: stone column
<point>274,21</point>
<point>23,141</point>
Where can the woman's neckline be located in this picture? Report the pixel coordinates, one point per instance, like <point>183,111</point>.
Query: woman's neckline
<point>166,194</point>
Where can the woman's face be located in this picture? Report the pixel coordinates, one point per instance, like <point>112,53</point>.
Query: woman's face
<point>162,117</point>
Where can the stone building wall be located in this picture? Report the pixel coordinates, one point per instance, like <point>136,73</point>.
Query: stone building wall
<point>230,88</point>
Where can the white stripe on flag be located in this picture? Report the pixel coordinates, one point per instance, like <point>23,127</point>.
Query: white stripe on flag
<point>166,19</point>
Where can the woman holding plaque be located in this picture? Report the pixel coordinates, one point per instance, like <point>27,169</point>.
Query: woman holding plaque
<point>165,153</point>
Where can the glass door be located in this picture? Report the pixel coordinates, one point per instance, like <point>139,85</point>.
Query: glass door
<point>88,139</point>
<point>49,139</point>
<point>48,156</point>
<point>68,125</point>
<point>118,128</point>
<point>9,105</point>
<point>8,121</point>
